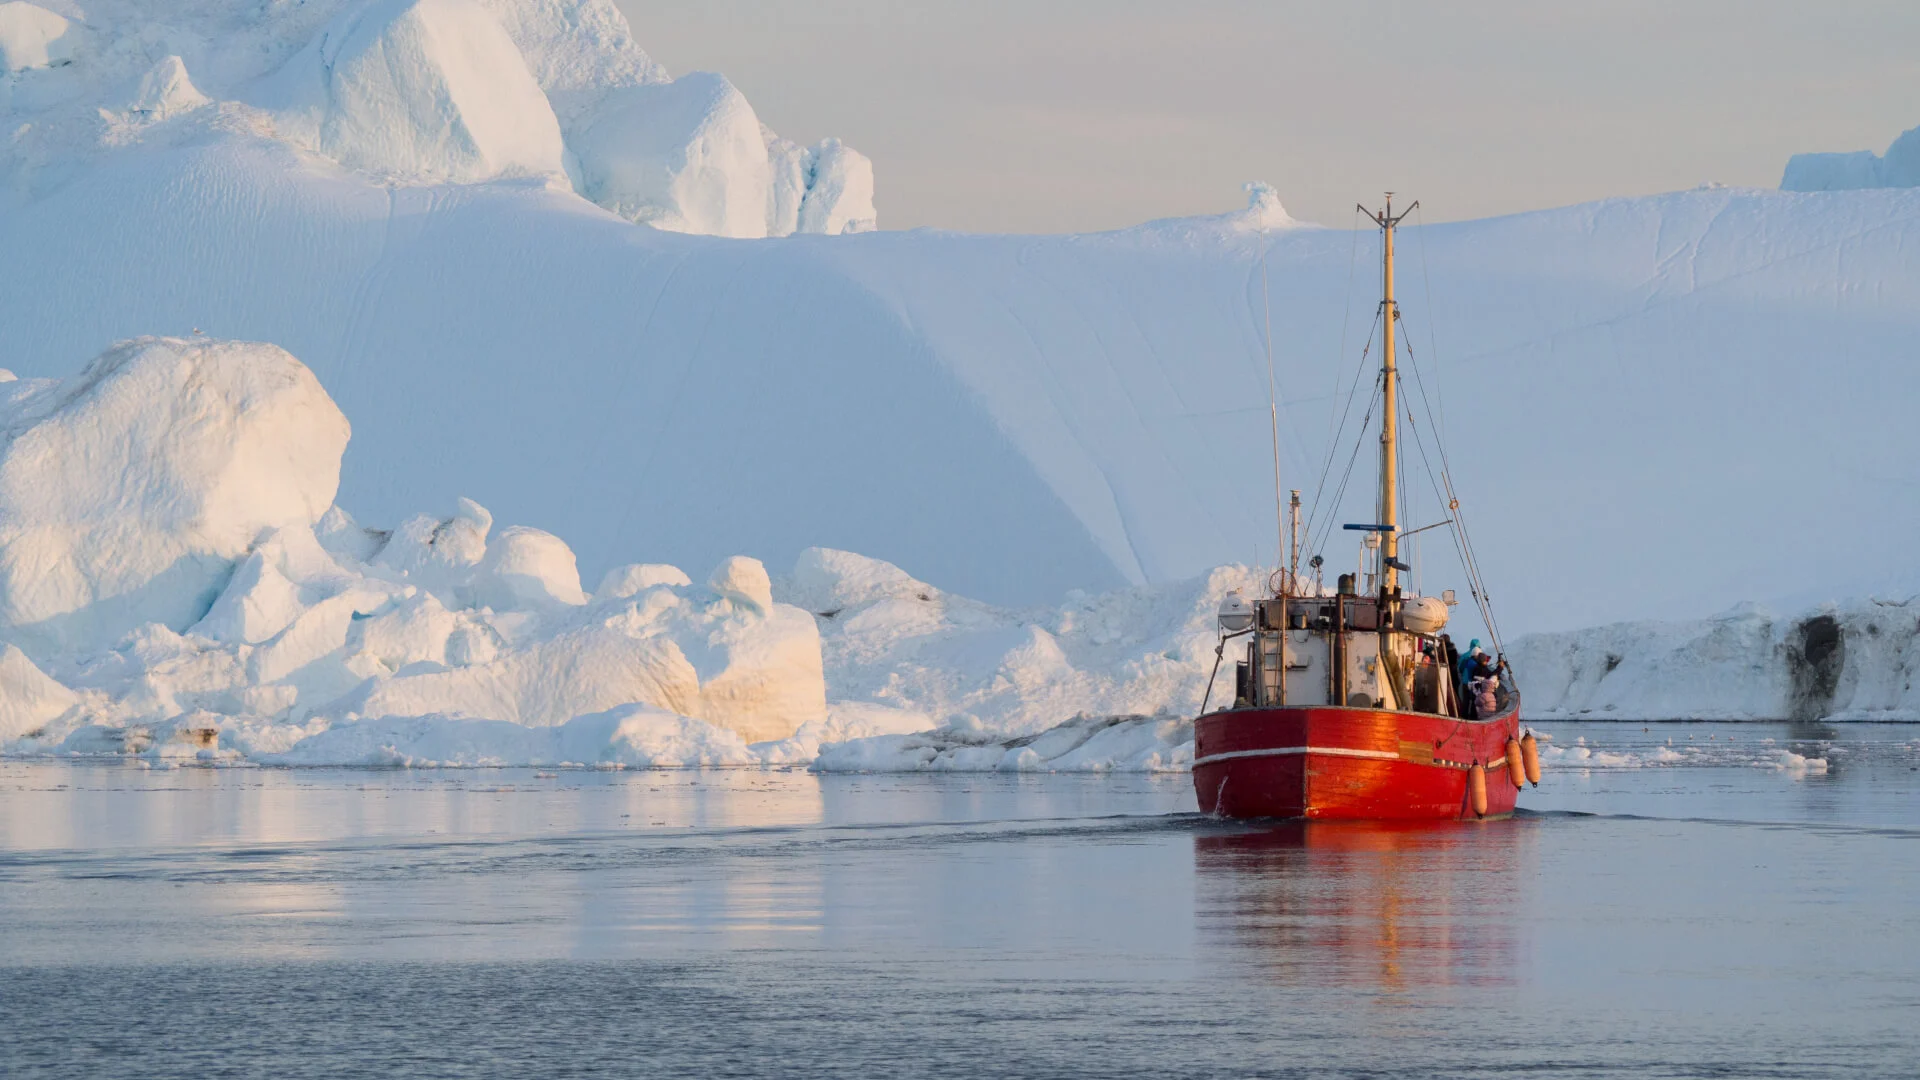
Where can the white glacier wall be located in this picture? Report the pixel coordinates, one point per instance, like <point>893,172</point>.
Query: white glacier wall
<point>1899,167</point>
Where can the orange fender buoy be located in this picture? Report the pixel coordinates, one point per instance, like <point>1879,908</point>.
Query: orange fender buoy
<point>1477,787</point>
<point>1514,764</point>
<point>1530,757</point>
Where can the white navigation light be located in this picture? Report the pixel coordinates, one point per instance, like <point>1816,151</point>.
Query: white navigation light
<point>1235,613</point>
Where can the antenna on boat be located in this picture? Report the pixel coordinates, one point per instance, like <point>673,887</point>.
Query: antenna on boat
<point>1387,517</point>
<point>1273,413</point>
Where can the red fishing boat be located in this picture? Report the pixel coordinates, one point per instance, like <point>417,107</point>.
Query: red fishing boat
<point>1354,702</point>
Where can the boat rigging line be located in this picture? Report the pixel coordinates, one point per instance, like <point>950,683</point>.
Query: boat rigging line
<point>1340,493</point>
<point>1469,559</point>
<point>1333,441</point>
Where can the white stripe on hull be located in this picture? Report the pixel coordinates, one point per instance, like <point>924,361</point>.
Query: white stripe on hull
<point>1278,751</point>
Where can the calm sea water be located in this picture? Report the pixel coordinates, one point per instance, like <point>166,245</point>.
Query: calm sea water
<point>1705,908</point>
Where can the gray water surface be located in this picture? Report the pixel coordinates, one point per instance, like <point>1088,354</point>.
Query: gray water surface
<point>1694,901</point>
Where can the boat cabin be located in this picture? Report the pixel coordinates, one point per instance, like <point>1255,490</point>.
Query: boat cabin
<point>1356,651</point>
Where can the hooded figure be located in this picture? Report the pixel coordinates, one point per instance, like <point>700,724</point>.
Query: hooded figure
<point>1471,662</point>
<point>1486,699</point>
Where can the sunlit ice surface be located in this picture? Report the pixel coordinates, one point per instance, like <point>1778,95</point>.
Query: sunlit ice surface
<point>1675,899</point>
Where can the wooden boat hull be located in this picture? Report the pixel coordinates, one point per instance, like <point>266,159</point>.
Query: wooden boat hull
<point>1334,763</point>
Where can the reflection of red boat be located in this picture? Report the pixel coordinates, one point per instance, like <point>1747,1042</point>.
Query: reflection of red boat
<point>1387,905</point>
<point>1353,705</point>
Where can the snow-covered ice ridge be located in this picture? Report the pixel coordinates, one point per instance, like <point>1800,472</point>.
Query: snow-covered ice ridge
<point>412,92</point>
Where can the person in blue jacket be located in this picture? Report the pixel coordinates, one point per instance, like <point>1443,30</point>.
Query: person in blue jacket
<point>1474,663</point>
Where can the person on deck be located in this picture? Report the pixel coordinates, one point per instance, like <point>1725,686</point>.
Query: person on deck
<point>1486,695</point>
<point>1476,664</point>
<point>1476,669</point>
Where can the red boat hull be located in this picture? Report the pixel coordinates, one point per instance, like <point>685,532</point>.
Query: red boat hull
<point>1356,764</point>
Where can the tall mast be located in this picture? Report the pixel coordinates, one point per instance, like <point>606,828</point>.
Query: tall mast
<point>1388,511</point>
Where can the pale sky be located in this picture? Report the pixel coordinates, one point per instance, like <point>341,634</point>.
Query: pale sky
<point>1070,115</point>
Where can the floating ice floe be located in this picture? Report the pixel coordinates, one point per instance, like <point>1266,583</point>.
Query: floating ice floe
<point>1721,753</point>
